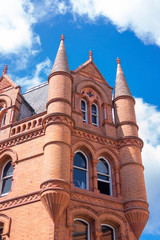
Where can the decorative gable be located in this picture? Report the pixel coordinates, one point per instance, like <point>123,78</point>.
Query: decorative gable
<point>89,69</point>
<point>4,84</point>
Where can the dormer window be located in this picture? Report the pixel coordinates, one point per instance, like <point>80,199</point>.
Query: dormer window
<point>84,110</point>
<point>94,114</point>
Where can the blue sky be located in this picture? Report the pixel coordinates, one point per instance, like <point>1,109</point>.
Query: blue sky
<point>30,36</point>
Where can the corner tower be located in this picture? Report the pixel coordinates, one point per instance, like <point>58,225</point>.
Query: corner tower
<point>55,188</point>
<point>130,145</point>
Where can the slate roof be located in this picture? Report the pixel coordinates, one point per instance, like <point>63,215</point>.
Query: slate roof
<point>34,101</point>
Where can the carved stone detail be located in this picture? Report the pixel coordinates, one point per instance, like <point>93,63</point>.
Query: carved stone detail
<point>57,118</point>
<point>55,196</point>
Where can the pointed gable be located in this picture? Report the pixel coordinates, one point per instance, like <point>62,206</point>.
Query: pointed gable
<point>6,81</point>
<point>90,69</point>
<point>4,84</point>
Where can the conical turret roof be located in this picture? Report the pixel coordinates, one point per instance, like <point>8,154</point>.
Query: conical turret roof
<point>61,62</point>
<point>121,86</point>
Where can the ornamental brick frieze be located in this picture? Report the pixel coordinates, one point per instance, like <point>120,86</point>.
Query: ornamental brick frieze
<point>57,118</point>
<point>54,184</point>
<point>94,137</point>
<point>126,141</point>
<point>135,204</point>
<point>130,141</point>
<point>95,201</point>
<point>19,201</point>
<point>21,138</point>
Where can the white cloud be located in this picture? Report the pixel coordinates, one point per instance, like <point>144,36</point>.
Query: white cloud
<point>17,21</point>
<point>43,68</point>
<point>140,16</point>
<point>148,119</point>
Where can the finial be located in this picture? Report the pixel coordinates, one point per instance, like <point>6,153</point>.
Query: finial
<point>118,60</point>
<point>90,55</point>
<point>5,69</point>
<point>62,37</point>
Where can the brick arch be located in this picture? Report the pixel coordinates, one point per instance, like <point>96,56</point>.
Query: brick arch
<point>84,212</point>
<point>6,99</point>
<point>11,153</point>
<point>84,146</point>
<point>115,220</point>
<point>6,225</point>
<point>109,154</point>
<point>95,86</point>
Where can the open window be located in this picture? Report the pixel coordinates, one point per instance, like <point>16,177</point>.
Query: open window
<point>104,176</point>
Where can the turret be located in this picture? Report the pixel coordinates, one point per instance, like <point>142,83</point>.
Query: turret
<point>55,188</point>
<point>130,145</point>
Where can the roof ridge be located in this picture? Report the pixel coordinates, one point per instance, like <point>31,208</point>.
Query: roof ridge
<point>36,87</point>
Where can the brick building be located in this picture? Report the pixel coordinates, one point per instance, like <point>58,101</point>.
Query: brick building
<point>69,170</point>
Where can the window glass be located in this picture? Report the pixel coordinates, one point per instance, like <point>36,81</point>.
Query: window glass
<point>104,177</point>
<point>80,171</point>
<point>107,233</point>
<point>94,114</point>
<point>84,110</point>
<point>6,187</point>
<point>80,230</point>
<point>6,178</point>
<point>1,231</point>
<point>8,170</point>
<point>80,160</point>
<point>79,177</point>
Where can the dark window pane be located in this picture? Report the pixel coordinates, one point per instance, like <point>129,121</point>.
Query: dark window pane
<point>94,109</point>
<point>8,170</point>
<point>103,187</point>
<point>105,178</point>
<point>84,116</point>
<point>94,119</point>
<point>83,105</point>
<point>6,187</point>
<point>102,167</point>
<point>107,233</point>
<point>79,178</point>
<point>80,230</point>
<point>80,160</point>
<point>1,231</point>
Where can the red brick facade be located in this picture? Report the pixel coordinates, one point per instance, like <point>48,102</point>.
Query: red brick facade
<point>44,202</point>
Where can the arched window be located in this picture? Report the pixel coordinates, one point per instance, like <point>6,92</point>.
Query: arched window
<point>95,115</point>
<point>6,178</point>
<point>80,170</point>
<point>81,230</point>
<point>108,232</point>
<point>104,177</point>
<point>84,110</point>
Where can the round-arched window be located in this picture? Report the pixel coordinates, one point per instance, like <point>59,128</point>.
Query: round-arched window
<point>81,230</point>
<point>94,114</point>
<point>84,110</point>
<point>108,232</point>
<point>6,178</point>
<point>80,170</point>
<point>104,177</point>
